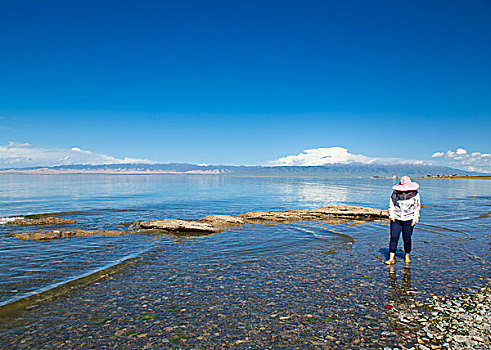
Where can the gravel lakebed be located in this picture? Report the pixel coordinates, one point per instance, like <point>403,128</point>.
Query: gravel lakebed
<point>328,289</point>
<point>459,322</point>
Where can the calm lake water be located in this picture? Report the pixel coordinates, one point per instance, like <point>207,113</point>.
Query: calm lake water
<point>300,285</point>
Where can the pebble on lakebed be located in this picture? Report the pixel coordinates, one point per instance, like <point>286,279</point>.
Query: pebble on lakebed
<point>460,322</point>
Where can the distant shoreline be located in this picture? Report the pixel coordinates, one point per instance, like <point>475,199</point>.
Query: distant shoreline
<point>47,171</point>
<point>459,177</point>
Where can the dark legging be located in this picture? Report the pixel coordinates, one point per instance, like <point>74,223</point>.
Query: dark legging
<point>395,231</point>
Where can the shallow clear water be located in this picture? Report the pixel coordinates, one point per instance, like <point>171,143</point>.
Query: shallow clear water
<point>322,279</point>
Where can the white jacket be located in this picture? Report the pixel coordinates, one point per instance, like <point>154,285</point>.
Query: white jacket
<point>404,209</point>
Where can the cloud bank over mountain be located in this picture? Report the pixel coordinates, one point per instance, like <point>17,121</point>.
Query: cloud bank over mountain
<point>22,155</point>
<point>333,155</point>
<point>461,159</point>
<point>320,156</point>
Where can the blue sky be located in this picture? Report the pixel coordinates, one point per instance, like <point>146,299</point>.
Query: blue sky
<point>246,82</point>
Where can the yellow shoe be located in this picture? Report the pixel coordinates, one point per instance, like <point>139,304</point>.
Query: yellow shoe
<point>408,260</point>
<point>389,262</point>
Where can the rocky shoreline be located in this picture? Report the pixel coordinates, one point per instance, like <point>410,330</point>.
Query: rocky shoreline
<point>459,322</point>
<point>210,224</point>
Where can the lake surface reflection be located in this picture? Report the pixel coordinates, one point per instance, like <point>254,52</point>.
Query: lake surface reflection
<point>301,285</point>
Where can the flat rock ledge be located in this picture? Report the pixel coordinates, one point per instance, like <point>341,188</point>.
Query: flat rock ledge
<point>209,224</point>
<point>326,213</point>
<point>189,227</point>
<point>49,220</point>
<point>223,221</point>
<point>45,236</point>
<point>216,223</point>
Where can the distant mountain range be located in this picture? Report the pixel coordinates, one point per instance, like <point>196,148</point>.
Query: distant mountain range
<point>329,170</point>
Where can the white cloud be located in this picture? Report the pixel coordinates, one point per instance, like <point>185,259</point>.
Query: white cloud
<point>458,159</point>
<point>320,156</point>
<point>461,159</point>
<point>332,155</point>
<point>21,155</point>
<point>18,144</point>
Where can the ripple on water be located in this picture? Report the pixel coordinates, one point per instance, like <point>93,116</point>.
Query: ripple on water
<point>35,267</point>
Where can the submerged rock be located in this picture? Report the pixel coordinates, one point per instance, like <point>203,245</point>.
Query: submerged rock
<point>49,220</point>
<point>485,215</point>
<point>44,236</point>
<point>178,226</point>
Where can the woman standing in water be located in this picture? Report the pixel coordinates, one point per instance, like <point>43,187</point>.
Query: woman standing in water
<point>404,207</point>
